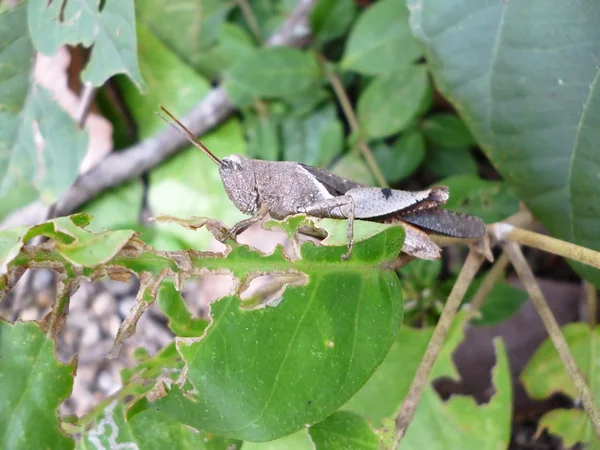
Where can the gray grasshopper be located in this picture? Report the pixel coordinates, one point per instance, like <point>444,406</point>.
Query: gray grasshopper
<point>281,189</point>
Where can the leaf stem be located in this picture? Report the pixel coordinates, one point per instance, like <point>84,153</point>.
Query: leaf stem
<point>421,378</point>
<point>250,19</point>
<point>539,302</point>
<point>489,281</point>
<point>592,303</point>
<point>505,232</point>
<point>346,106</point>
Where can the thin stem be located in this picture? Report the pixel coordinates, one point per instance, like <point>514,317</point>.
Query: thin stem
<point>539,302</point>
<point>421,378</point>
<point>592,303</point>
<point>506,232</point>
<point>85,103</point>
<point>489,281</point>
<point>250,19</point>
<point>342,97</point>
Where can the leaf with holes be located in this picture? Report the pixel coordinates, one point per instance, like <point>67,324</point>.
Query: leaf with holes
<point>149,430</point>
<point>344,429</point>
<point>111,31</point>
<point>546,374</point>
<point>71,241</point>
<point>293,364</point>
<point>40,145</point>
<point>34,383</point>
<point>457,423</point>
<point>530,97</point>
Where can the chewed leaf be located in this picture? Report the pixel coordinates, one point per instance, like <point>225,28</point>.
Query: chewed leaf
<point>72,241</point>
<point>344,429</point>
<point>34,384</point>
<point>111,30</point>
<point>457,423</point>
<point>295,363</point>
<point>150,430</point>
<point>10,246</point>
<point>42,146</point>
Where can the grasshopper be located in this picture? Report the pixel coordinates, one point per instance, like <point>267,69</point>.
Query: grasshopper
<point>281,189</point>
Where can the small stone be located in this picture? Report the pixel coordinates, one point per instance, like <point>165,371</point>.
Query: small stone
<point>91,335</point>
<point>42,278</point>
<point>30,314</point>
<point>111,325</point>
<point>125,306</point>
<point>120,288</point>
<point>104,304</point>
<point>106,383</point>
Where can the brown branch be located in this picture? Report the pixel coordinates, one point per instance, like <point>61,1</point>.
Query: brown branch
<point>250,19</point>
<point>346,106</point>
<point>539,302</point>
<point>592,303</point>
<point>489,281</point>
<point>421,378</point>
<point>214,108</point>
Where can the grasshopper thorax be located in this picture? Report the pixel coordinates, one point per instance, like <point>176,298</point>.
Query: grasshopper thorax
<point>237,174</point>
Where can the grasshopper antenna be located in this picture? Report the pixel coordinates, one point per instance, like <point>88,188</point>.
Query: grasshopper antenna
<point>181,129</point>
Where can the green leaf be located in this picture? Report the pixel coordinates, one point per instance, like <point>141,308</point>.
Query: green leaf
<point>273,72</point>
<point>148,430</point>
<point>457,423</point>
<point>502,302</point>
<point>297,441</point>
<point>572,425</point>
<point>390,102</point>
<point>531,100</point>
<point>447,131</point>
<point>344,429</point>
<point>34,383</point>
<point>111,31</point>
<point>381,40</point>
<point>263,137</point>
<point>181,321</point>
<point>353,168</point>
<point>381,396</point>
<point>545,374</point>
<point>421,273</point>
<point>77,245</point>
<point>40,145</point>
<point>489,200</point>
<point>403,158</point>
<point>189,176</point>
<point>320,352</point>
<point>330,19</point>
<point>116,208</point>
<point>192,30</point>
<point>445,162</point>
<point>10,246</point>
<point>314,139</point>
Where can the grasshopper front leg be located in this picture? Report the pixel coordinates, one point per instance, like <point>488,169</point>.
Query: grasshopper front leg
<point>243,225</point>
<point>342,207</point>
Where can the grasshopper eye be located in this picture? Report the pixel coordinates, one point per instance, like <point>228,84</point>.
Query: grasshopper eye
<point>232,163</point>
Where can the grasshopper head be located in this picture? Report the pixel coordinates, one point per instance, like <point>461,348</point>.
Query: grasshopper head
<point>239,181</point>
